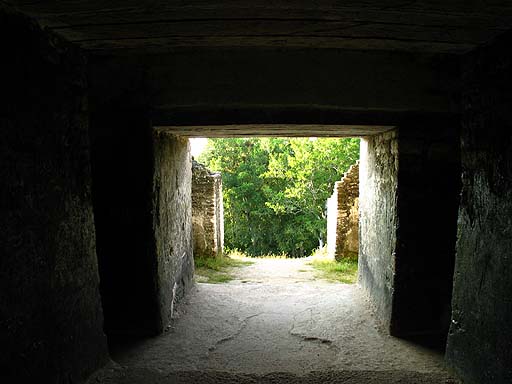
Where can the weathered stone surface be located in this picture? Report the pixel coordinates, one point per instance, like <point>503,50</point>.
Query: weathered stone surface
<point>156,26</point>
<point>50,310</point>
<point>207,212</point>
<point>408,179</point>
<point>205,87</point>
<point>378,175</point>
<point>343,216</point>
<point>141,190</point>
<point>352,239</point>
<point>480,339</point>
<point>277,319</point>
<point>275,130</point>
<point>172,221</point>
<point>208,376</point>
<point>428,200</point>
<point>122,174</point>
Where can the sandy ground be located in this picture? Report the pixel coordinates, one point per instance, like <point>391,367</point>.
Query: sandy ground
<point>275,324</point>
<point>276,272</point>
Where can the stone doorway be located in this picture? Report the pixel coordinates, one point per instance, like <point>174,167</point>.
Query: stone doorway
<point>382,239</point>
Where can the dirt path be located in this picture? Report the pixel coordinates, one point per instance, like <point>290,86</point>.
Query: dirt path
<point>276,323</point>
<point>275,271</point>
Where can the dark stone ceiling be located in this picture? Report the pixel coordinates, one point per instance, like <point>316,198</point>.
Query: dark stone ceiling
<point>436,26</point>
<point>276,130</point>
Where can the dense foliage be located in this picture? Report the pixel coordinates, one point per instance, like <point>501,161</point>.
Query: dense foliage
<point>275,190</point>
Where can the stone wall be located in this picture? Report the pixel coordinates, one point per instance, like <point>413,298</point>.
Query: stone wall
<point>50,310</point>
<point>122,175</point>
<point>480,338</point>
<point>142,205</point>
<point>378,175</point>
<point>343,216</point>
<point>409,194</point>
<point>207,212</point>
<point>172,220</point>
<point>428,200</point>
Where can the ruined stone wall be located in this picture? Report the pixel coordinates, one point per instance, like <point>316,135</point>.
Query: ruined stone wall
<point>480,338</point>
<point>172,221</point>
<point>378,175</point>
<point>207,212</point>
<point>332,223</point>
<point>219,216</point>
<point>343,216</point>
<point>50,310</point>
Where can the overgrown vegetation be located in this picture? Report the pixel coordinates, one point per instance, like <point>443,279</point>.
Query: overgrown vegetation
<point>220,270</point>
<point>275,190</point>
<point>217,270</point>
<point>344,271</point>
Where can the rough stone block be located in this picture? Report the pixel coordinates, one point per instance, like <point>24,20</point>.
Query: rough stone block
<point>378,175</point>
<point>207,212</point>
<point>480,338</point>
<point>343,216</point>
<point>142,206</point>
<point>50,310</point>
<point>172,220</point>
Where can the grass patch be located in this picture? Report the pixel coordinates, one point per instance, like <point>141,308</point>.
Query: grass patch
<point>217,270</point>
<point>236,254</point>
<point>344,271</point>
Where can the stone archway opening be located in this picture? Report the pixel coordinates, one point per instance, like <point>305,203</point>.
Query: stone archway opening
<point>388,270</point>
<point>87,181</point>
<point>394,269</point>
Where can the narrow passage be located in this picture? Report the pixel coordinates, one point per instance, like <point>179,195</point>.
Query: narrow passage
<point>276,323</point>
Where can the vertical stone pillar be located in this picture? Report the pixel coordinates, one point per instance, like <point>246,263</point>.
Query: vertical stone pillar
<point>142,205</point>
<point>172,220</point>
<point>332,222</point>
<point>219,215</point>
<point>343,216</point>
<point>428,200</point>
<point>480,339</point>
<point>207,212</point>
<point>378,175</point>
<point>122,170</point>
<point>142,202</point>
<point>410,180</point>
<point>50,308</point>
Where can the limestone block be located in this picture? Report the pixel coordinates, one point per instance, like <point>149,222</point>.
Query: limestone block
<point>207,212</point>
<point>343,217</point>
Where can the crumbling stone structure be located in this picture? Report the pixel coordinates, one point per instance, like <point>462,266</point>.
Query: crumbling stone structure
<point>207,212</point>
<point>343,216</point>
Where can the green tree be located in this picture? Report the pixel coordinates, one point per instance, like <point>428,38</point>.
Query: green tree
<point>275,190</point>
<point>308,171</point>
